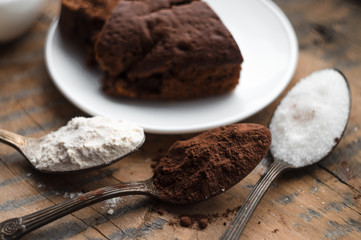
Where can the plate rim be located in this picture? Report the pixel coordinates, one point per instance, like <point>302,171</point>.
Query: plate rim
<point>192,128</point>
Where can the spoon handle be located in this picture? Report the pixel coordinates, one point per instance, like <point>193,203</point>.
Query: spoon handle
<point>237,225</point>
<point>16,227</point>
<point>13,139</point>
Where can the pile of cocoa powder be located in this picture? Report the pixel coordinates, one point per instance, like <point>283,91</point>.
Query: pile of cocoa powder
<point>210,163</point>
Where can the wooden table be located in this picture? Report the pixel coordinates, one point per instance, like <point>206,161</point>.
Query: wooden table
<point>319,202</point>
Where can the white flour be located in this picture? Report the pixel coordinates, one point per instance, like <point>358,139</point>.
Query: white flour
<point>311,118</point>
<point>85,143</point>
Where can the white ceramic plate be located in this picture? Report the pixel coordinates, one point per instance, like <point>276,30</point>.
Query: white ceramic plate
<point>268,44</point>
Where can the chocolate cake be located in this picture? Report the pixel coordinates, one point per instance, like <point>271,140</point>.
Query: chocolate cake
<point>157,49</point>
<point>82,20</point>
<point>167,49</point>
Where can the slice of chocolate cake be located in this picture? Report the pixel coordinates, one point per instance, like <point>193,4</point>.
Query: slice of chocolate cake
<point>167,49</point>
<point>82,20</point>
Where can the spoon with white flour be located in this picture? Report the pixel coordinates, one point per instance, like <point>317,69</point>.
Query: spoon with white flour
<point>305,128</point>
<point>82,144</point>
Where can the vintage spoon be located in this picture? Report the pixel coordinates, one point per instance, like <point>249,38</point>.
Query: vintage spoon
<point>28,146</point>
<point>16,227</point>
<point>168,186</point>
<point>237,225</point>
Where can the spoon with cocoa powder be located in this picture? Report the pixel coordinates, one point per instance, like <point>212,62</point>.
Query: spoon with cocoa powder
<point>193,170</point>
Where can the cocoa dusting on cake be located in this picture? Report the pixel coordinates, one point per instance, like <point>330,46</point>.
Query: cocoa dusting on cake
<point>210,163</point>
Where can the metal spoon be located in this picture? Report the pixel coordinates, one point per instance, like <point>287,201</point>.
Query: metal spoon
<point>237,225</point>
<point>28,146</point>
<point>16,227</point>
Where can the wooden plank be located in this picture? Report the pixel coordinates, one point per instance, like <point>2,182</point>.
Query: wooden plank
<point>319,202</point>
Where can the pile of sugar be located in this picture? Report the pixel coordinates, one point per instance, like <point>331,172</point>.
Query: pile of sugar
<point>85,143</point>
<point>311,118</point>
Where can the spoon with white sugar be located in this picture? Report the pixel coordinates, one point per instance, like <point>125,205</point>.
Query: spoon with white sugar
<point>83,144</point>
<point>305,128</point>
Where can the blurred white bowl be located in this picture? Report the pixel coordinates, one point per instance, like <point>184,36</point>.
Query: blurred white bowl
<point>17,16</point>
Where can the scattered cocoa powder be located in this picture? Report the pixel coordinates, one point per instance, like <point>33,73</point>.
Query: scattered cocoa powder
<point>185,221</point>
<point>228,211</point>
<point>155,161</point>
<point>210,163</point>
<point>201,220</point>
<point>172,223</point>
<point>160,212</point>
<point>203,223</point>
<point>153,165</point>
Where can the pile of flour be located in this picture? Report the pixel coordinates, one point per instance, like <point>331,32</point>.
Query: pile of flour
<point>85,143</point>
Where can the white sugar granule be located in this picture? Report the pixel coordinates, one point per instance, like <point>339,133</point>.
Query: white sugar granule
<point>111,204</point>
<point>85,143</point>
<point>311,118</point>
<point>72,195</point>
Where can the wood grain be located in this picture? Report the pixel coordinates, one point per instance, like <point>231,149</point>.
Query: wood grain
<point>318,202</point>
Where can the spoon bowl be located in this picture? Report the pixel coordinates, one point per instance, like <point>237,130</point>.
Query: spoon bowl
<point>28,146</point>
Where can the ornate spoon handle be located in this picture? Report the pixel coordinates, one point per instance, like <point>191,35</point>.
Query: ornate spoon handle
<point>16,227</point>
<point>237,225</point>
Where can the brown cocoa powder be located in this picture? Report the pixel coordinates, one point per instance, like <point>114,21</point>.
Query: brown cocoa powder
<point>185,221</point>
<point>200,220</point>
<point>203,223</point>
<point>210,163</point>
